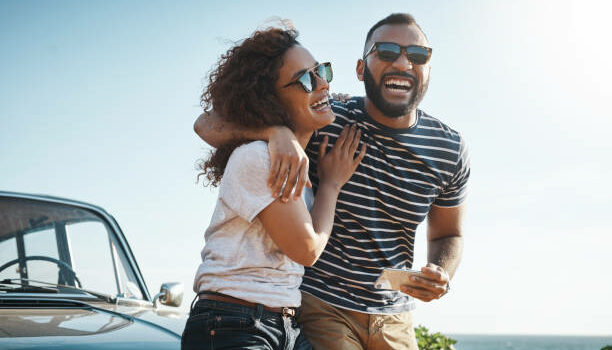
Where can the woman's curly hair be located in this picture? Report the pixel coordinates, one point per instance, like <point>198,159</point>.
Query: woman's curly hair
<point>242,90</point>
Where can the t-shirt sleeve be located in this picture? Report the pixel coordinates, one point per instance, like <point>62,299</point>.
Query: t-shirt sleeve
<point>456,191</point>
<point>244,187</point>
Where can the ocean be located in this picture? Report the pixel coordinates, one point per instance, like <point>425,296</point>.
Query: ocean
<point>529,342</point>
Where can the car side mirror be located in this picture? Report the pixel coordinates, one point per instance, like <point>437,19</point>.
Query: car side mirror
<point>170,294</point>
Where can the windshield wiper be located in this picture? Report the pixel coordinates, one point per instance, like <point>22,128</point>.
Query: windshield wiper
<point>19,281</point>
<point>8,286</point>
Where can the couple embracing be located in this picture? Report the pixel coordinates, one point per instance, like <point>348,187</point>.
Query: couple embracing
<point>290,264</point>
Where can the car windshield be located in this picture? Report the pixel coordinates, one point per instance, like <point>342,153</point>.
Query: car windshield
<point>62,244</point>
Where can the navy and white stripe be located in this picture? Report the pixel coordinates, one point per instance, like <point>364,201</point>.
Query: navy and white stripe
<point>404,172</point>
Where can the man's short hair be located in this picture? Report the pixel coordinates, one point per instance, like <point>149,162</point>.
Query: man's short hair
<point>394,18</point>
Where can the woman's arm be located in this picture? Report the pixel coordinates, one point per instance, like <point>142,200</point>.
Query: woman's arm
<point>301,235</point>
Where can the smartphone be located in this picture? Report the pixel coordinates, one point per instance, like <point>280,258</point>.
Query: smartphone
<point>394,278</point>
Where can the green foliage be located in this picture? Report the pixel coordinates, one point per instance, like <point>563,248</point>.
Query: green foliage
<point>435,341</point>
<point>607,347</point>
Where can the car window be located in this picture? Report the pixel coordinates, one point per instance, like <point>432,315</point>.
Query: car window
<point>64,244</point>
<point>42,243</point>
<point>128,281</point>
<point>91,256</point>
<point>8,252</point>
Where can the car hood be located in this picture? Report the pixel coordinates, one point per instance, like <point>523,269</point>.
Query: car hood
<point>68,324</point>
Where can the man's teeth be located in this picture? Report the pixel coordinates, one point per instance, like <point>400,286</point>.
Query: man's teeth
<point>320,103</point>
<point>398,84</point>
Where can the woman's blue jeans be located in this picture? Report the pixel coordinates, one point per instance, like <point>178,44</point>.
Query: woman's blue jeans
<point>221,325</point>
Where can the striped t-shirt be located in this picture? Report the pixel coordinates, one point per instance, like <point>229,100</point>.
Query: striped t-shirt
<point>404,172</point>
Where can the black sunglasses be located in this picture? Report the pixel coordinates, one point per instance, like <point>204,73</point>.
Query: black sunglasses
<point>308,79</point>
<point>389,52</point>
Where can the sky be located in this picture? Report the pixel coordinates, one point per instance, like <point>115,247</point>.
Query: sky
<point>98,100</point>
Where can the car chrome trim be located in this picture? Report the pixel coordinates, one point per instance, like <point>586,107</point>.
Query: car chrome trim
<point>138,302</point>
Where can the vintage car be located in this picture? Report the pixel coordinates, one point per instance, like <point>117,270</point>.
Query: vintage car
<point>69,280</point>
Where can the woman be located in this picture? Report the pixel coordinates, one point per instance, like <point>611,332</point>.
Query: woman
<point>256,245</point>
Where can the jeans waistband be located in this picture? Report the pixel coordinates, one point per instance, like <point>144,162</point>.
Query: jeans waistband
<point>214,299</point>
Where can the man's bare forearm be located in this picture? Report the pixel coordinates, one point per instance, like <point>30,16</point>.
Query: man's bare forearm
<point>216,131</point>
<point>288,160</point>
<point>446,252</point>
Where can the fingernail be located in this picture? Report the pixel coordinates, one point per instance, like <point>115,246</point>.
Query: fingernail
<point>285,200</point>
<point>275,195</point>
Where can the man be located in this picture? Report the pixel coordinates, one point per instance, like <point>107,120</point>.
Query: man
<point>415,167</point>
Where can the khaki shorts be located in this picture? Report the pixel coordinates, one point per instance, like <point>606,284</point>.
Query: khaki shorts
<point>331,328</point>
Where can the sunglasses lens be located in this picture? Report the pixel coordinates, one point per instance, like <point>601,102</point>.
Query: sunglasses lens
<point>307,81</point>
<point>325,72</point>
<point>388,51</point>
<point>417,54</point>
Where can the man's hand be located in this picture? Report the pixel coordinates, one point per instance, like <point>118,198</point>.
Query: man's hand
<point>288,162</point>
<point>431,285</point>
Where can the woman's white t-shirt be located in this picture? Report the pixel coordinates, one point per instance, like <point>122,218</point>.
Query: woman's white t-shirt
<point>239,258</point>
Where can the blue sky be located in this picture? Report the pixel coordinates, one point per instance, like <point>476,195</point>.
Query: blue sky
<point>98,100</point>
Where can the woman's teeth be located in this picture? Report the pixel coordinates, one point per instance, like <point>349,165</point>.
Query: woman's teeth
<point>324,102</point>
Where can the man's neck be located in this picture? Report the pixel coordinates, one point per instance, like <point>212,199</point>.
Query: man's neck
<point>402,122</point>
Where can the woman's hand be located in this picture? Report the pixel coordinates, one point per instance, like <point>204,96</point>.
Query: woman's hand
<point>337,166</point>
<point>301,235</point>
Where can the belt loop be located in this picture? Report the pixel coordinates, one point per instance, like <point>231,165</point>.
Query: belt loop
<point>194,300</point>
<point>259,312</point>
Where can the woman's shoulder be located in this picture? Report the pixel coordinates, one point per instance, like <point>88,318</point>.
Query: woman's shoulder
<point>252,148</point>
<point>254,153</point>
<point>247,171</point>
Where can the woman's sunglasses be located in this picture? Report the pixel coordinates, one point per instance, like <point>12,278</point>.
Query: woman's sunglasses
<point>308,79</point>
<point>389,52</point>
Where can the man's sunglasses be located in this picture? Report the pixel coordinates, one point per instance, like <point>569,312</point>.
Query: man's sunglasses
<point>308,79</point>
<point>389,52</point>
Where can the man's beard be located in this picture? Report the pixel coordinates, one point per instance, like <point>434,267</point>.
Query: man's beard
<point>393,110</point>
